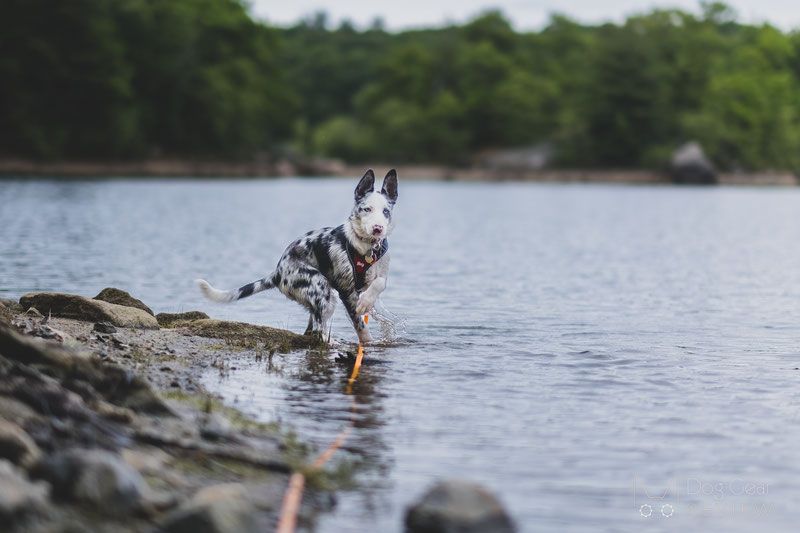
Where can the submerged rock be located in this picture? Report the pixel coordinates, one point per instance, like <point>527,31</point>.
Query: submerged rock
<point>216,509</point>
<point>120,297</point>
<point>166,320</point>
<point>18,495</point>
<point>96,477</point>
<point>80,308</point>
<point>689,165</point>
<point>455,506</point>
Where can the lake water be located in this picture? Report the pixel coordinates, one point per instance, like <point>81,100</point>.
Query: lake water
<point>578,349</point>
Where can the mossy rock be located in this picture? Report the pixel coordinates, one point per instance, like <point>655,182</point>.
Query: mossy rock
<point>166,320</point>
<point>80,308</point>
<point>120,297</point>
<point>241,333</point>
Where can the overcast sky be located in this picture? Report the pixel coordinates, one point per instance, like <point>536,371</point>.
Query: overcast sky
<point>524,14</point>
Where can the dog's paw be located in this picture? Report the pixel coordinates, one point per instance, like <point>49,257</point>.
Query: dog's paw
<point>364,304</point>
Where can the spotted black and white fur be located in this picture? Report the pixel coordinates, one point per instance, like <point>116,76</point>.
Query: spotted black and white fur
<point>318,266</point>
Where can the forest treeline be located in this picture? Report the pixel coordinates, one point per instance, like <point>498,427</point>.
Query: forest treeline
<point>116,79</point>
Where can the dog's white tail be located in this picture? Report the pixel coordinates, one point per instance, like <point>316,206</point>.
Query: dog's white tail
<point>216,295</point>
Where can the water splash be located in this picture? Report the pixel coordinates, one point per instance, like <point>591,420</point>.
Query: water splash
<point>392,326</point>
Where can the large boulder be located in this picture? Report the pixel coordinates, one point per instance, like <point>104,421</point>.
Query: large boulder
<point>217,509</point>
<point>455,506</point>
<point>120,297</point>
<point>689,165</point>
<point>80,308</point>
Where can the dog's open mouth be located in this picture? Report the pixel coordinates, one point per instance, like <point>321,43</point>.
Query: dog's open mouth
<point>377,232</point>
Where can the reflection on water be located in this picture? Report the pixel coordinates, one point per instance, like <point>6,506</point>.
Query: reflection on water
<point>564,345</point>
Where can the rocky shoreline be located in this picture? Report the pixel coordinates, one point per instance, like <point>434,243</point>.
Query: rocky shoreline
<point>104,426</point>
<point>332,168</point>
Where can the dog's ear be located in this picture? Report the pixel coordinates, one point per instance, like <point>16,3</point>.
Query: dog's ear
<point>389,189</point>
<point>366,185</point>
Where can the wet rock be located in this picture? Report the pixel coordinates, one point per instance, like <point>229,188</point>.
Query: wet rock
<point>104,327</point>
<point>216,509</point>
<point>96,477</point>
<point>120,297</point>
<point>166,320</point>
<point>689,165</point>
<point>80,308</point>
<point>455,506</point>
<point>17,494</point>
<point>17,446</point>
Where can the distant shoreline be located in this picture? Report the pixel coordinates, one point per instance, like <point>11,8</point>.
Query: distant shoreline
<point>186,168</point>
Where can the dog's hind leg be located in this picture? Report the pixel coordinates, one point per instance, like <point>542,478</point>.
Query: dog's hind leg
<point>308,287</point>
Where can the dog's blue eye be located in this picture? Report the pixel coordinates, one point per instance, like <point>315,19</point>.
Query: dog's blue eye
<point>386,213</point>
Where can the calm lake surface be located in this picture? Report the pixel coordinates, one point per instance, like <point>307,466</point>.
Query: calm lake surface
<point>578,349</point>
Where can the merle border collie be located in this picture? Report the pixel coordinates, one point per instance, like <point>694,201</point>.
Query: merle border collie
<point>351,259</point>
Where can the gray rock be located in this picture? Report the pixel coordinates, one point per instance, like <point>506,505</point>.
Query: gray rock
<point>216,509</point>
<point>80,308</point>
<point>5,314</point>
<point>17,446</point>
<point>689,165</point>
<point>120,297</point>
<point>97,477</point>
<point>13,410</point>
<point>454,506</point>
<point>12,305</point>
<point>104,327</point>
<point>214,426</point>
<point>166,320</point>
<point>114,383</point>
<point>17,494</point>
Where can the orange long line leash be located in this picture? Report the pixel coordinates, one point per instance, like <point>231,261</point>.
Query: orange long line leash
<point>287,521</point>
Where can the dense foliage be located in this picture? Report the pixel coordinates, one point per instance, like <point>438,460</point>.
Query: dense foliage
<point>133,78</point>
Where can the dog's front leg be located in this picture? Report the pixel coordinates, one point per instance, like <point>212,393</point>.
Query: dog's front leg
<point>366,301</point>
<point>350,304</point>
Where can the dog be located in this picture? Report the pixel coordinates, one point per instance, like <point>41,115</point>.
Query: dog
<point>351,260</point>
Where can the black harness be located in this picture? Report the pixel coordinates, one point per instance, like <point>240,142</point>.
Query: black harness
<point>361,263</point>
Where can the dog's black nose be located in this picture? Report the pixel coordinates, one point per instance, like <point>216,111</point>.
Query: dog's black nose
<point>377,229</point>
